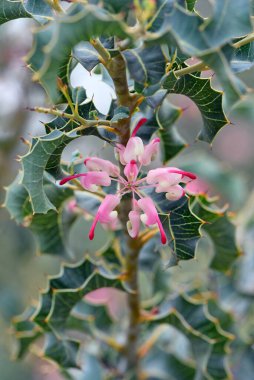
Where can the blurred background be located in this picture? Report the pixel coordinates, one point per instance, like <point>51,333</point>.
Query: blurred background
<point>226,169</point>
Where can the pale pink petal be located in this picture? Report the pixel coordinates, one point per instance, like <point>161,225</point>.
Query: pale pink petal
<point>131,171</point>
<point>134,149</point>
<point>98,164</point>
<point>92,180</point>
<point>154,175</point>
<point>163,178</point>
<point>174,193</point>
<point>150,152</point>
<point>105,213</point>
<point>119,152</point>
<point>133,225</point>
<point>150,216</point>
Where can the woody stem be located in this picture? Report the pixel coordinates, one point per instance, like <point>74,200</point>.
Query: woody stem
<point>116,68</point>
<point>131,269</point>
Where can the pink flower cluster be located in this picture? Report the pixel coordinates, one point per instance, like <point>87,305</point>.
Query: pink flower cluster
<point>133,156</point>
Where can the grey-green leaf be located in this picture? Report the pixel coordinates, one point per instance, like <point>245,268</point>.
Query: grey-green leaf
<point>40,10</point>
<point>12,9</point>
<point>86,55</point>
<point>146,65</point>
<point>171,140</point>
<point>208,101</point>
<point>50,229</point>
<point>182,227</point>
<point>63,351</point>
<point>44,155</point>
<point>193,316</point>
<point>221,231</point>
<point>67,289</point>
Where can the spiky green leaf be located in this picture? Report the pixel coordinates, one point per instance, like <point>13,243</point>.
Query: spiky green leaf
<point>221,231</point>
<point>146,65</point>
<point>44,156</point>
<point>208,101</point>
<point>182,227</point>
<point>50,229</point>
<point>12,9</point>
<point>67,289</point>
<point>194,317</point>
<point>171,140</point>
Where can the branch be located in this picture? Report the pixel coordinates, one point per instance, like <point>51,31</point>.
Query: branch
<point>77,118</point>
<point>117,70</point>
<point>131,347</point>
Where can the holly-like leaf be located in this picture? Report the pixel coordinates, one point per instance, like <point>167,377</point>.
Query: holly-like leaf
<point>219,62</point>
<point>17,200</point>
<point>53,44</point>
<point>209,39</point>
<point>44,155</point>
<point>221,231</point>
<point>63,351</point>
<point>97,316</point>
<point>146,65</point>
<point>116,6</point>
<point>12,9</point>
<point>163,9</point>
<point>230,19</point>
<point>243,58</point>
<point>171,140</point>
<point>86,55</point>
<point>50,229</point>
<point>208,101</point>
<point>182,227</point>
<point>120,113</point>
<point>67,289</point>
<point>161,365</point>
<point>196,36</point>
<point>40,10</point>
<point>25,331</point>
<point>193,316</point>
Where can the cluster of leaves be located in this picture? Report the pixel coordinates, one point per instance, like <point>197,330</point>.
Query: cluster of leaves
<point>83,339</point>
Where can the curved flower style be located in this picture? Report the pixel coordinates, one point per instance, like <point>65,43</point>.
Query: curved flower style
<point>133,157</point>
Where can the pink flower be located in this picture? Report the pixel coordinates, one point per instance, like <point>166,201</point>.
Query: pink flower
<point>164,180</point>
<point>136,151</point>
<point>106,213</point>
